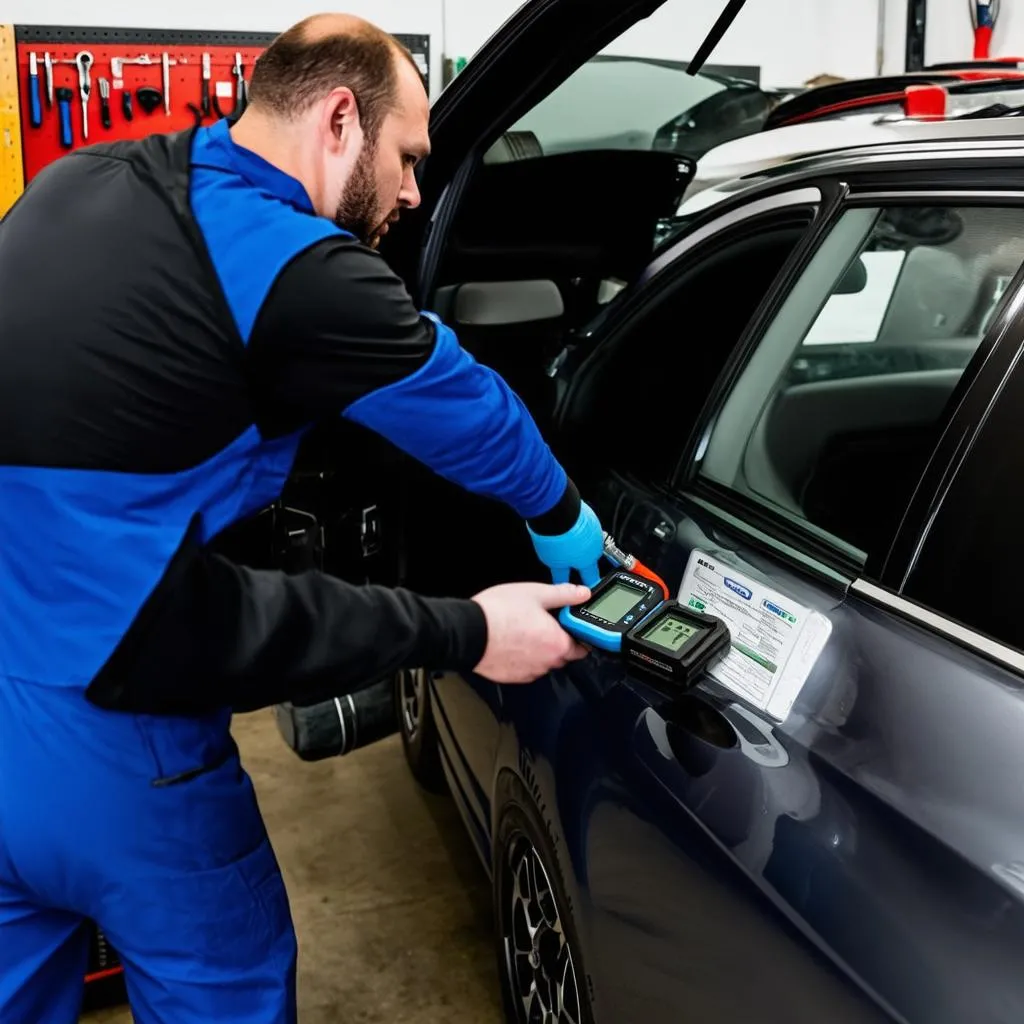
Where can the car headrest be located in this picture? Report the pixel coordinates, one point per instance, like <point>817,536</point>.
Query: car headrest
<point>514,146</point>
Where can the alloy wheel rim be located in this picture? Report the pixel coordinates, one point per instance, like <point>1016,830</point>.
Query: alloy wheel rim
<point>411,685</point>
<point>538,959</point>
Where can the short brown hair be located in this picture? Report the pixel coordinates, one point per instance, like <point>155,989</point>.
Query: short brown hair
<point>300,67</point>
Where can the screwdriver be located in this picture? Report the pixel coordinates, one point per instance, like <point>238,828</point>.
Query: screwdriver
<point>64,97</point>
<point>36,112</point>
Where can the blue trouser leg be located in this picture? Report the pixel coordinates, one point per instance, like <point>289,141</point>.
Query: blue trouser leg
<point>150,827</point>
<point>43,955</point>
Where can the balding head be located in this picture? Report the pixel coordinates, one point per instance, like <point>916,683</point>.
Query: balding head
<point>325,52</point>
<point>340,105</point>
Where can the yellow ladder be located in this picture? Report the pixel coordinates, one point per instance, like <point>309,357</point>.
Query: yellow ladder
<point>12,168</point>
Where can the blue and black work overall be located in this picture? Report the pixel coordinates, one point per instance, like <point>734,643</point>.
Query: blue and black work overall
<point>173,318</point>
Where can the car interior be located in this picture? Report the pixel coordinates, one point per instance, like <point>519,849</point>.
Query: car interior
<point>671,353</point>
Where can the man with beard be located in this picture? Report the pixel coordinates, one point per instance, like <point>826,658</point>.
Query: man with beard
<point>175,313</point>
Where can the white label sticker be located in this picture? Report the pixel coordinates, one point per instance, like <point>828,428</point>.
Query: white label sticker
<point>775,641</point>
<point>224,90</point>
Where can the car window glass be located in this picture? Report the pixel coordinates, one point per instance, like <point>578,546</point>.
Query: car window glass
<point>969,565</point>
<point>831,420</point>
<point>730,271</point>
<point>635,102</point>
<point>855,315</point>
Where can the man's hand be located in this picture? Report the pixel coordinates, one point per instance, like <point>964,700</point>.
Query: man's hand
<point>524,641</point>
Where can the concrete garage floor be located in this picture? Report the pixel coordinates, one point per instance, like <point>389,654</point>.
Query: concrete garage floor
<point>391,906</point>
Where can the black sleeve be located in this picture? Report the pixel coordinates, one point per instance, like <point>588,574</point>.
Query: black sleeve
<point>216,634</point>
<point>337,324</point>
<point>283,637</point>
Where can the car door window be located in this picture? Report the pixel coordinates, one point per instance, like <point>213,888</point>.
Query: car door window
<point>970,563</point>
<point>725,268</point>
<point>830,422</point>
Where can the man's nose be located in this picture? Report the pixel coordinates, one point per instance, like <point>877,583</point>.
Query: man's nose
<point>409,197</point>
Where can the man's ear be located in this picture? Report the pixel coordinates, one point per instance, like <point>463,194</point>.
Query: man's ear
<point>340,124</point>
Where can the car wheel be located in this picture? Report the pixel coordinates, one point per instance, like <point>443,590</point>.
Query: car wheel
<point>539,959</point>
<point>417,729</point>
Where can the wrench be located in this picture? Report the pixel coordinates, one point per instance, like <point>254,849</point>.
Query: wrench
<point>117,65</point>
<point>84,62</point>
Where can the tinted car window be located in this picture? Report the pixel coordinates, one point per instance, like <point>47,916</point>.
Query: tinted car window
<point>633,103</point>
<point>972,561</point>
<point>833,417</point>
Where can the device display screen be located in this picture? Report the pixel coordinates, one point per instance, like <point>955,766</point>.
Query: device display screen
<point>615,602</point>
<point>670,633</point>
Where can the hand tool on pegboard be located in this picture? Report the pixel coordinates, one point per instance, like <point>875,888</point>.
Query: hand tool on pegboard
<point>48,69</point>
<point>104,87</point>
<point>34,98</point>
<point>166,63</point>
<point>64,98</point>
<point>83,61</point>
<point>984,14</point>
<point>203,111</point>
<point>12,175</point>
<point>241,91</point>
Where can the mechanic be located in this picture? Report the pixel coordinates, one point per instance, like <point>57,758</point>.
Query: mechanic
<point>175,313</point>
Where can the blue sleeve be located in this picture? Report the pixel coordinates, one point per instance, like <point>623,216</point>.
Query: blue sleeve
<point>463,421</point>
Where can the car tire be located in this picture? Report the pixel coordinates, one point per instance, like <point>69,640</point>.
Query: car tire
<point>418,730</point>
<point>540,961</point>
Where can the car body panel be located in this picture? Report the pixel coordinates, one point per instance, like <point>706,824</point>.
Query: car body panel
<point>857,861</point>
<point>847,833</point>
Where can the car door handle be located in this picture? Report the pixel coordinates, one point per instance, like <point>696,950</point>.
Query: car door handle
<point>692,737</point>
<point>689,735</point>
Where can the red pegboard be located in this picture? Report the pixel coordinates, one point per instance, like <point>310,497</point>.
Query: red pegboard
<point>42,145</point>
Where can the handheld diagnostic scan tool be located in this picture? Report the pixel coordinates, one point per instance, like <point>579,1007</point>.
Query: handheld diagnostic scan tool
<point>628,614</point>
<point>616,604</point>
<point>675,643</point>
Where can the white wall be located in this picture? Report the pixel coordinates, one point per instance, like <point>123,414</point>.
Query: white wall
<point>791,40</point>
<point>896,35</point>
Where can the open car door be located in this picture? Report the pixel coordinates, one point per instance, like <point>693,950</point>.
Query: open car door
<point>517,245</point>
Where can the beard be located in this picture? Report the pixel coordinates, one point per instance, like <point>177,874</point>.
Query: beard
<point>359,207</point>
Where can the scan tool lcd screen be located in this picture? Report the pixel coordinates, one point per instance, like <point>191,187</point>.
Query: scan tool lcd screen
<point>670,633</point>
<point>615,603</point>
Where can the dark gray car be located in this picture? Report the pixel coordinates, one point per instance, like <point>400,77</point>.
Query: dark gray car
<point>811,392</point>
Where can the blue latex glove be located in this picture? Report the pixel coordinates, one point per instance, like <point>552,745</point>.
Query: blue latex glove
<point>579,548</point>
